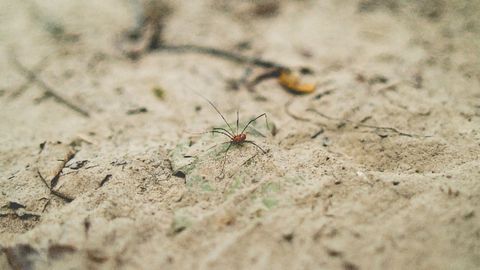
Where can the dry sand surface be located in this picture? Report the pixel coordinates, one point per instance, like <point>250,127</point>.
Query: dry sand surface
<point>102,166</point>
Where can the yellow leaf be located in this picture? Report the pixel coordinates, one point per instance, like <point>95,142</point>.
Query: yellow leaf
<point>290,81</point>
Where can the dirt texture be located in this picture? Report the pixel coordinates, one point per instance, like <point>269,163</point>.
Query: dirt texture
<point>103,163</point>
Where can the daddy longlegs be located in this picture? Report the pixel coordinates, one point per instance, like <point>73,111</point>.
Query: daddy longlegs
<point>234,137</point>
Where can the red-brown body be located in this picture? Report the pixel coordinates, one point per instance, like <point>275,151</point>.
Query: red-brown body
<point>240,138</point>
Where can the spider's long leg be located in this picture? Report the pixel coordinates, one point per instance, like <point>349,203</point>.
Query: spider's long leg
<point>211,103</point>
<point>251,142</point>
<point>213,146</point>
<point>222,129</point>
<point>225,157</point>
<point>256,132</point>
<point>255,119</point>
<point>221,132</point>
<point>214,130</point>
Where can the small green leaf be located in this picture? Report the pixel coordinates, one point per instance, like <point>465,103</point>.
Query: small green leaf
<point>179,224</point>
<point>159,92</point>
<point>269,202</point>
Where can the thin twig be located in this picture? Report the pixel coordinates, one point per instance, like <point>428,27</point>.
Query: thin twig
<point>55,178</point>
<point>22,88</point>
<point>291,114</point>
<point>153,17</point>
<point>231,56</point>
<point>359,124</point>
<point>317,133</point>
<point>54,192</point>
<point>388,86</point>
<point>238,169</point>
<point>269,74</point>
<point>32,76</point>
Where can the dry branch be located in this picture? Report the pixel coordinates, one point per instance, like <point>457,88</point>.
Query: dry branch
<point>49,91</point>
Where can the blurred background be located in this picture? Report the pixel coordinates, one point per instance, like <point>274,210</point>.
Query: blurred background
<point>373,149</point>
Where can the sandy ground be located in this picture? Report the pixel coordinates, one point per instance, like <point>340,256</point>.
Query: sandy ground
<point>377,169</point>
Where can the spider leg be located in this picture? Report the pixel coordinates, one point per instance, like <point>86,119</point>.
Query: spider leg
<point>225,157</point>
<point>221,132</point>
<point>215,131</point>
<point>226,131</point>
<point>251,142</point>
<point>256,132</point>
<point>221,115</point>
<point>255,119</point>
<point>215,145</point>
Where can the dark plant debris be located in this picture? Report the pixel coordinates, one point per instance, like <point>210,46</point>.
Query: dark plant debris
<point>14,205</point>
<point>78,164</point>
<point>318,133</point>
<point>62,196</point>
<point>105,180</point>
<point>180,174</point>
<point>159,92</point>
<point>57,251</point>
<point>137,111</point>
<point>266,9</point>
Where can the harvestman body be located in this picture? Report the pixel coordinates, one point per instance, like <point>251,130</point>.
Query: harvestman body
<point>235,137</point>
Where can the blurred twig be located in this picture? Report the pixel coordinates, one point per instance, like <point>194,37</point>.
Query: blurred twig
<point>149,24</point>
<point>49,91</point>
<point>54,27</point>
<point>231,56</point>
<point>54,192</point>
<point>359,124</point>
<point>22,88</point>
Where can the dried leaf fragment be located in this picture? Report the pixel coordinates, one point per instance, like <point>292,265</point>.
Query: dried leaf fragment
<point>292,82</point>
